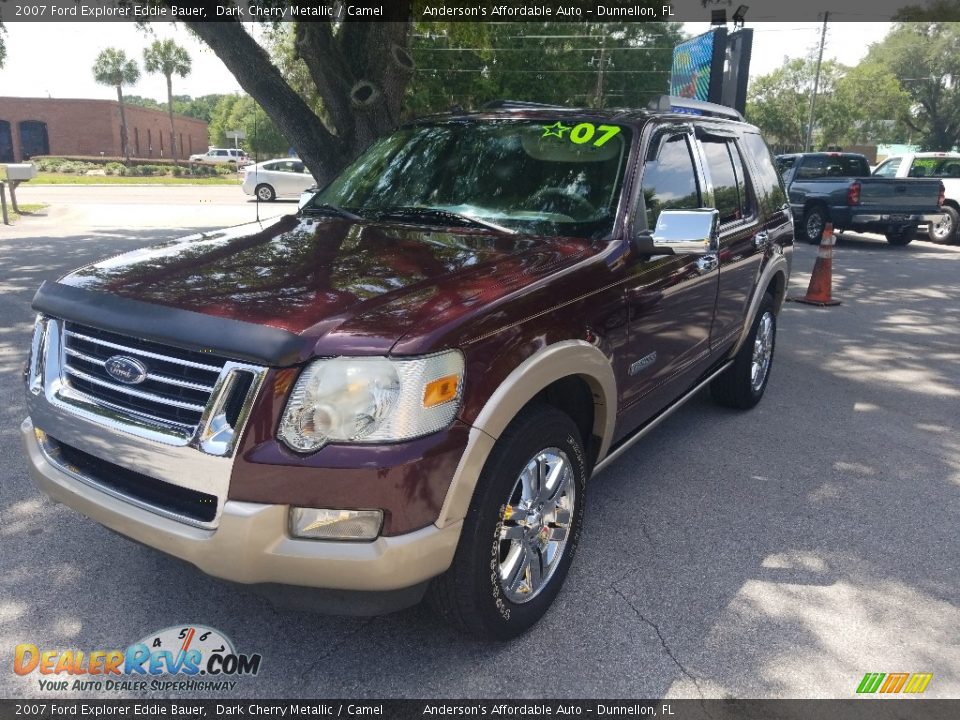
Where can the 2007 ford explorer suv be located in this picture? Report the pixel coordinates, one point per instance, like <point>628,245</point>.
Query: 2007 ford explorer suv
<point>838,188</point>
<point>406,387</point>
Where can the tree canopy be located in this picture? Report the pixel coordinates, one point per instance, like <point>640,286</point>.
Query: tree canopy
<point>330,89</point>
<point>925,58</point>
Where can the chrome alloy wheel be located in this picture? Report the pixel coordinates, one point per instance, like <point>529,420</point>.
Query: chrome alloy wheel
<point>814,226</point>
<point>536,525</point>
<point>943,228</point>
<point>762,352</point>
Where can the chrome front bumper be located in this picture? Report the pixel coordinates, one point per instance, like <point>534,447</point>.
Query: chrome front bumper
<point>118,467</point>
<point>251,543</point>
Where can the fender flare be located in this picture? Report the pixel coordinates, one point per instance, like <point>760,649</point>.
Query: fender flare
<point>777,266</point>
<point>546,366</point>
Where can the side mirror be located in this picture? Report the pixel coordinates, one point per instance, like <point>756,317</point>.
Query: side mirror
<point>687,232</point>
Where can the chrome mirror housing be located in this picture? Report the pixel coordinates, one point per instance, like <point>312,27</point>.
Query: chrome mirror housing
<point>690,232</point>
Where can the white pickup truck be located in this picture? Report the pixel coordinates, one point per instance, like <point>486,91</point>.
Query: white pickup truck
<point>942,165</point>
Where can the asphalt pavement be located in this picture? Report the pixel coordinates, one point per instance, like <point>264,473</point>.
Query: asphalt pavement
<point>781,552</point>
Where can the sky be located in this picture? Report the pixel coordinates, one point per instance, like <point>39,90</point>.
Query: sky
<point>43,73</point>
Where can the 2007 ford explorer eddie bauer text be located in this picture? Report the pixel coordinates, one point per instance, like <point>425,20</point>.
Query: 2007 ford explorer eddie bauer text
<point>405,388</point>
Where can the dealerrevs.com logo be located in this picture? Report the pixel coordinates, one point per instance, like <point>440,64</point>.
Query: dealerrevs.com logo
<point>191,657</point>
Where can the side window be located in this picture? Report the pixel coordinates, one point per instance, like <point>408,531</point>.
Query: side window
<point>726,188</point>
<point>669,177</point>
<point>888,168</point>
<point>924,167</point>
<point>768,179</point>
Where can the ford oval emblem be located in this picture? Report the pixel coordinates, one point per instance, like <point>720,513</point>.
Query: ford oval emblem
<point>127,370</point>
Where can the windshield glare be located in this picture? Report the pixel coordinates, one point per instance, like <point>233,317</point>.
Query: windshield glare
<point>545,177</point>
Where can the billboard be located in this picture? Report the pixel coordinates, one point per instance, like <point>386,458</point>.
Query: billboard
<point>736,70</point>
<point>697,70</point>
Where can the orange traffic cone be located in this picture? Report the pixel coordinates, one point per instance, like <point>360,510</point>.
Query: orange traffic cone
<point>818,292</point>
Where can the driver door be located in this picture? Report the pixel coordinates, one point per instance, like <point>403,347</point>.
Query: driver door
<point>671,299</point>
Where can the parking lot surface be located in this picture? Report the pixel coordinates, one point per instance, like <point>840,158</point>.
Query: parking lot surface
<point>781,552</point>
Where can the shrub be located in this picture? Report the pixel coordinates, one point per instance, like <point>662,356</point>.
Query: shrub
<point>114,168</point>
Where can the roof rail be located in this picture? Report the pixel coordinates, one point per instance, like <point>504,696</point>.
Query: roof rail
<point>517,105</point>
<point>673,103</point>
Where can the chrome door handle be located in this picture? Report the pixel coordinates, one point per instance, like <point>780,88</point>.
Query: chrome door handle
<point>707,263</point>
<point>761,239</point>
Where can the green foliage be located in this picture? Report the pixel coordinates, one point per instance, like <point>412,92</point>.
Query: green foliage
<point>468,64</point>
<point>166,58</point>
<point>240,112</point>
<point>114,69</point>
<point>144,102</point>
<point>779,102</point>
<point>200,108</point>
<point>864,104</point>
<point>3,47</point>
<point>925,58</point>
<point>114,168</point>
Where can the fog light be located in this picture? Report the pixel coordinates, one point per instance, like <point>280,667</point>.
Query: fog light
<point>316,524</point>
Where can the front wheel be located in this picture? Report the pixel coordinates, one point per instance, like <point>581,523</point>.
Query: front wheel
<point>521,531</point>
<point>902,236</point>
<point>743,383</point>
<point>947,229</point>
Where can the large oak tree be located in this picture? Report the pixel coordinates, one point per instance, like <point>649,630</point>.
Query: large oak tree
<point>360,71</point>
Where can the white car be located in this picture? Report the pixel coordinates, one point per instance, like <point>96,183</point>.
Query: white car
<point>220,156</point>
<point>942,165</point>
<point>277,178</point>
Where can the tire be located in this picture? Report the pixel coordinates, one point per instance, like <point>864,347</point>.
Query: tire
<point>901,237</point>
<point>265,193</point>
<point>814,220</point>
<point>471,596</point>
<point>738,387</point>
<point>948,229</point>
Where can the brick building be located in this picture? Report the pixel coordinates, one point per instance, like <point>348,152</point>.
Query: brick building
<point>53,126</point>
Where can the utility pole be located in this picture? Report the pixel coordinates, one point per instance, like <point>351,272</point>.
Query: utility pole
<point>601,64</point>
<point>816,84</point>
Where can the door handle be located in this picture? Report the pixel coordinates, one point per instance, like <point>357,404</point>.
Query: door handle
<point>707,263</point>
<point>761,240</point>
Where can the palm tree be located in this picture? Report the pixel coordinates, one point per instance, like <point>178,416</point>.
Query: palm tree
<point>114,69</point>
<point>167,58</point>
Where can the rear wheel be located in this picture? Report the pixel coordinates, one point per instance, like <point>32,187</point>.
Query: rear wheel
<point>814,221</point>
<point>902,236</point>
<point>743,383</point>
<point>521,531</point>
<point>265,193</point>
<point>946,230</point>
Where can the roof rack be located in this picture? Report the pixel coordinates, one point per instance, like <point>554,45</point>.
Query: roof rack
<point>518,105</point>
<point>688,106</point>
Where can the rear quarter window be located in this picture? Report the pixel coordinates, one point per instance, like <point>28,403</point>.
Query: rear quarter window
<point>768,184</point>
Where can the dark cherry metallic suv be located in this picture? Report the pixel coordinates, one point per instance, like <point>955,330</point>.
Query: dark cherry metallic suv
<point>405,388</point>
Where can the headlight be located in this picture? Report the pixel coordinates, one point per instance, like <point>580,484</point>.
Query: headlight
<point>372,400</point>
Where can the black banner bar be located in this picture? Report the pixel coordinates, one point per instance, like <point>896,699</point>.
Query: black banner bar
<point>872,708</point>
<point>12,11</point>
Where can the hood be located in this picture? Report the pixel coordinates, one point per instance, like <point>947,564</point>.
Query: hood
<point>351,287</point>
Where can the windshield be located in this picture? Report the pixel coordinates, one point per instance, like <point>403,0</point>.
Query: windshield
<point>547,177</point>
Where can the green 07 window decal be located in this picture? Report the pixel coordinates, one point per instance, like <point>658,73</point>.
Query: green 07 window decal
<point>582,133</point>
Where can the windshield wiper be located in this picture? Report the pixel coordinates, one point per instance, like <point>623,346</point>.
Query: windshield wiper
<point>328,209</point>
<point>428,213</point>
